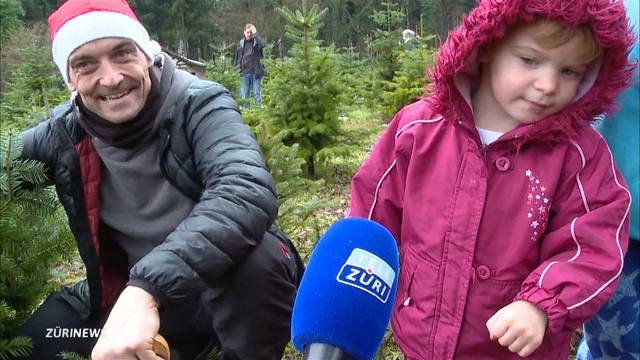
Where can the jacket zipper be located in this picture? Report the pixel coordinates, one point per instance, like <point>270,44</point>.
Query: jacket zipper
<point>165,153</point>
<point>483,150</point>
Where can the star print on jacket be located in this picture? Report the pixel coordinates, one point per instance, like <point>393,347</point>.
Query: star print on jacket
<point>538,205</point>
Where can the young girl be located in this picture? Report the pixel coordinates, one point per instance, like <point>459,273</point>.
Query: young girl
<point>511,218</point>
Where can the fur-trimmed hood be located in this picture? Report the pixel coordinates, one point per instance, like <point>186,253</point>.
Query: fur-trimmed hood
<point>456,65</point>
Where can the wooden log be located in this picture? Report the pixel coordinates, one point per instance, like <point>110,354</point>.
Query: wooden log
<point>190,62</point>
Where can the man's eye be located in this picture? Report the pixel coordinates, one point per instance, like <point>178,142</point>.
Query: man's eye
<point>82,66</point>
<point>123,54</point>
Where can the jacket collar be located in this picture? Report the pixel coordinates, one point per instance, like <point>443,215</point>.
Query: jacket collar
<point>173,83</point>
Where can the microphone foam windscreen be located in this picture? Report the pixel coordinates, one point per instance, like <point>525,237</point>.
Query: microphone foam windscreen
<point>347,292</point>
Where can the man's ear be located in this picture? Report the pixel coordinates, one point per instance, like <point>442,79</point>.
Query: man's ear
<point>71,86</point>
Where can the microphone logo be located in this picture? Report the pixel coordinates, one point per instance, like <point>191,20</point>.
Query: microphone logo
<point>368,272</point>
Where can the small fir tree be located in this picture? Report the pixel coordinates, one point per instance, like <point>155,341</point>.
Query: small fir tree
<point>408,81</point>
<point>303,91</point>
<point>386,43</point>
<point>11,13</point>
<point>221,68</point>
<point>355,74</point>
<point>34,84</point>
<point>298,196</point>
<point>35,238</point>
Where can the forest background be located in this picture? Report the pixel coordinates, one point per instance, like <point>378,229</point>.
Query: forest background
<point>337,71</point>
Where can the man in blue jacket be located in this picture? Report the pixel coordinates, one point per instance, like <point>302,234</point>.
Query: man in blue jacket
<point>169,200</point>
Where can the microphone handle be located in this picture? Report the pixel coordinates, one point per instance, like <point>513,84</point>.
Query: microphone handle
<point>318,351</point>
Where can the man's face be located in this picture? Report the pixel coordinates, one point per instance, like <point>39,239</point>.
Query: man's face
<point>248,34</point>
<point>111,76</point>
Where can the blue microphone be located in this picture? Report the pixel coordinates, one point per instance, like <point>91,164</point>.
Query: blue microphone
<point>345,299</point>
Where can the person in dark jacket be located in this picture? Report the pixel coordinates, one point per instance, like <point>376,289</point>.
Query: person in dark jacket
<point>169,200</point>
<point>247,60</point>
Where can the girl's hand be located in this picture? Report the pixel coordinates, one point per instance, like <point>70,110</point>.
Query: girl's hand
<point>519,326</point>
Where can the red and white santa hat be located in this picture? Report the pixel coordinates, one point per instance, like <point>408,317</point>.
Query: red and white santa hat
<point>77,22</point>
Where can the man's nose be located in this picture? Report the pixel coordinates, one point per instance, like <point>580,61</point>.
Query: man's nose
<point>547,82</point>
<point>109,74</point>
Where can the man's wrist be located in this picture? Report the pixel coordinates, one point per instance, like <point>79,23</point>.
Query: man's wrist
<point>150,299</point>
<point>144,294</point>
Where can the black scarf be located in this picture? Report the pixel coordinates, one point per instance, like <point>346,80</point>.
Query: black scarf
<point>127,135</point>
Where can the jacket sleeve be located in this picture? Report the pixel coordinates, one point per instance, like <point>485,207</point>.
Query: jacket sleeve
<point>237,204</point>
<point>582,254</point>
<point>377,187</point>
<point>260,43</point>
<point>38,142</point>
<point>236,56</point>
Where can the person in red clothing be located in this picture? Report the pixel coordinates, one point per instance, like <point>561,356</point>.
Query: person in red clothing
<point>510,215</point>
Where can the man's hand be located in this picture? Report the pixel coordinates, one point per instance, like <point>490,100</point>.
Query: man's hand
<point>253,30</point>
<point>130,328</point>
<point>519,326</point>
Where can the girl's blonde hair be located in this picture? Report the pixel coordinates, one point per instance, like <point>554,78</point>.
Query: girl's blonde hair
<point>550,34</point>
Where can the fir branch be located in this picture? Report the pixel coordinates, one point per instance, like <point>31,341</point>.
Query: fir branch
<point>66,355</point>
<point>18,346</point>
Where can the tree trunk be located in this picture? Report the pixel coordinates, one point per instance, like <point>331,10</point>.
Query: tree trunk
<point>45,96</point>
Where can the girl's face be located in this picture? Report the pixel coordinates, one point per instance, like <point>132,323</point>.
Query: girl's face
<point>525,82</point>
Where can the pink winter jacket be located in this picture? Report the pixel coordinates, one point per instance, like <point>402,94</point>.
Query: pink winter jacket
<point>539,215</point>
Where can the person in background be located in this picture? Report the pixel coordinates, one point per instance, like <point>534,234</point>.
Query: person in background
<point>510,215</point>
<point>614,333</point>
<point>409,39</point>
<point>247,59</point>
<point>169,201</point>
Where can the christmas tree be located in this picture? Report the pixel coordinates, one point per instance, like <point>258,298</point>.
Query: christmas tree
<point>303,93</point>
<point>34,240</point>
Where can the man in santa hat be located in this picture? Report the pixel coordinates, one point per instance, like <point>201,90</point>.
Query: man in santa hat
<point>169,200</point>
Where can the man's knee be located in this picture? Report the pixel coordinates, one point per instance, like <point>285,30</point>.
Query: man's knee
<point>252,311</point>
<point>57,327</point>
<point>270,261</point>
